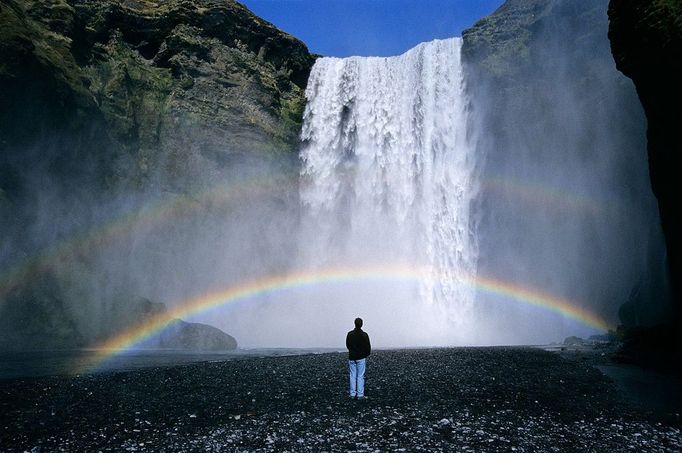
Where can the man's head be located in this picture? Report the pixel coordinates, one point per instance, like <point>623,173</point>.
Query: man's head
<point>358,323</point>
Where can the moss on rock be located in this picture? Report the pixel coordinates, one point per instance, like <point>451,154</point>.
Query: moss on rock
<point>179,85</point>
<point>103,101</point>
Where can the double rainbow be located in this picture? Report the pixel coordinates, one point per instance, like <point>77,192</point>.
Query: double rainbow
<point>279,283</point>
<point>151,215</point>
<point>169,208</point>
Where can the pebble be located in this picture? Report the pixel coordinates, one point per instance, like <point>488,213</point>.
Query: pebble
<point>466,399</point>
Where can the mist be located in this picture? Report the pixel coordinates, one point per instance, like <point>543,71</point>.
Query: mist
<point>87,259</point>
<point>419,178</point>
<point>566,204</point>
<point>557,202</point>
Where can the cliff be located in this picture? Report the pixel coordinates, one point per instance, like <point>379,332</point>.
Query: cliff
<point>136,79</point>
<point>567,203</point>
<point>134,113</point>
<point>646,40</point>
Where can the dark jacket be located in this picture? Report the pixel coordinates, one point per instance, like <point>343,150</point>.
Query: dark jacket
<point>357,342</point>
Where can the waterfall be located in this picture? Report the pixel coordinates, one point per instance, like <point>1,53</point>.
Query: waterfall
<point>389,174</point>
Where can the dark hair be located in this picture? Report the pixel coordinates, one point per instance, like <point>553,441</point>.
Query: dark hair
<point>358,322</point>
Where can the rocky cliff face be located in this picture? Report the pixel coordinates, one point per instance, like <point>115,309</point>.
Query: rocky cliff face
<point>646,40</point>
<point>121,113</point>
<point>568,205</point>
<point>130,81</point>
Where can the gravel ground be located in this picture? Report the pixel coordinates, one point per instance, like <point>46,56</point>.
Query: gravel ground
<point>479,399</point>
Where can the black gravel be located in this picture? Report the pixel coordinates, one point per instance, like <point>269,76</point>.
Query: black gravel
<point>478,399</point>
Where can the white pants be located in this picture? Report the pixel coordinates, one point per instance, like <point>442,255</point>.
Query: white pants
<point>357,377</point>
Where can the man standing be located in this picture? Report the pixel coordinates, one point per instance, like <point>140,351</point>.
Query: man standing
<point>357,342</point>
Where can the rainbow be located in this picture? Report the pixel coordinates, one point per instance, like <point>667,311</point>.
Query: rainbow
<point>278,283</point>
<point>146,217</point>
<point>149,216</point>
<point>542,195</point>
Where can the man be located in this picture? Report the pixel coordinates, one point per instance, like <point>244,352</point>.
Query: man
<point>357,342</point>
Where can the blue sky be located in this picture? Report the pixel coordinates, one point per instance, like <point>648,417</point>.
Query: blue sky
<point>370,27</point>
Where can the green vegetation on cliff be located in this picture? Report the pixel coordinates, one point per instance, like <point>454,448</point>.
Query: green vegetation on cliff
<point>166,88</point>
<point>500,42</point>
<point>109,109</point>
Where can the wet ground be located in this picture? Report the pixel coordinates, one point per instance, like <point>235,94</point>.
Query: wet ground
<point>647,390</point>
<point>478,399</point>
<point>72,361</point>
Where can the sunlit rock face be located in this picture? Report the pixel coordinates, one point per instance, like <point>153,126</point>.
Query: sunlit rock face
<point>566,199</point>
<point>117,116</point>
<point>646,40</point>
<point>150,92</point>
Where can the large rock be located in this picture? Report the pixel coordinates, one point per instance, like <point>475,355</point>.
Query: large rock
<point>646,40</point>
<point>195,337</point>
<point>42,316</point>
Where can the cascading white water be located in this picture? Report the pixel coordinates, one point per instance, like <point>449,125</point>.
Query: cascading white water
<point>388,177</point>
